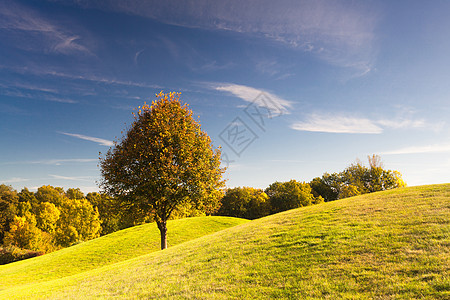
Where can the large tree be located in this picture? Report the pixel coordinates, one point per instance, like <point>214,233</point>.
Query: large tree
<point>163,161</point>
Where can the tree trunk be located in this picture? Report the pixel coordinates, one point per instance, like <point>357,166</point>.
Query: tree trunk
<point>162,226</point>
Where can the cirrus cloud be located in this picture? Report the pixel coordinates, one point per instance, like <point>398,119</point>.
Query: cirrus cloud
<point>251,95</point>
<point>350,124</point>
<point>337,124</point>
<point>339,32</point>
<point>13,180</point>
<point>52,37</point>
<point>100,141</point>
<point>435,148</point>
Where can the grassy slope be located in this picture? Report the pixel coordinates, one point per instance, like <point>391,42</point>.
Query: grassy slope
<point>393,244</point>
<point>116,247</point>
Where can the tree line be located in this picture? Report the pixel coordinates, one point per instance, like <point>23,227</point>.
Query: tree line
<point>51,218</point>
<point>46,220</point>
<point>357,179</point>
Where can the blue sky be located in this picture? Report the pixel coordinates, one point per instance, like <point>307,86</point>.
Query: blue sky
<point>289,89</point>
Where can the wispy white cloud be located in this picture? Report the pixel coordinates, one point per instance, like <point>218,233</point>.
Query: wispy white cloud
<point>339,32</point>
<point>100,141</point>
<point>13,180</point>
<point>210,65</point>
<point>253,95</point>
<point>61,161</point>
<point>36,95</point>
<point>56,161</point>
<point>342,123</point>
<point>87,77</point>
<point>109,80</point>
<point>68,45</point>
<point>71,178</point>
<point>59,99</point>
<point>136,56</point>
<point>38,71</point>
<point>436,148</point>
<point>30,87</point>
<point>289,161</point>
<point>20,18</point>
<point>406,118</point>
<point>402,124</point>
<point>409,123</point>
<point>70,86</point>
<point>337,124</point>
<point>273,68</point>
<point>270,67</point>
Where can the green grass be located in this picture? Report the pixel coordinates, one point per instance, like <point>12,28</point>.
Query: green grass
<point>388,245</point>
<point>109,249</point>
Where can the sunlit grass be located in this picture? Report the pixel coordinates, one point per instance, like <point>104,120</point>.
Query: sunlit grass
<point>388,245</point>
<point>115,247</point>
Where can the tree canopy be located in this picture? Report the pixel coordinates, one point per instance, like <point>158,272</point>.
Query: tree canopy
<point>245,202</point>
<point>290,194</point>
<point>357,179</point>
<point>163,161</point>
<point>8,204</point>
<point>46,220</point>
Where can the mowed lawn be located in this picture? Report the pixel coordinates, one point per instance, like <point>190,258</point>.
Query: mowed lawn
<point>387,245</point>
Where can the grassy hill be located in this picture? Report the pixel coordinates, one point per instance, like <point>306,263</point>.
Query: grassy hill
<point>393,244</point>
<point>119,246</point>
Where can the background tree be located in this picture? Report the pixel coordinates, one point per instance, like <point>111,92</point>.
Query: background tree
<point>348,191</point>
<point>46,220</point>
<point>245,202</point>
<point>74,194</point>
<point>27,200</point>
<point>290,194</point>
<point>357,176</point>
<point>357,179</point>
<point>78,221</point>
<point>327,186</point>
<point>8,207</point>
<point>164,160</point>
<point>24,234</point>
<point>114,213</point>
<point>371,179</point>
<point>47,214</point>
<point>48,193</point>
